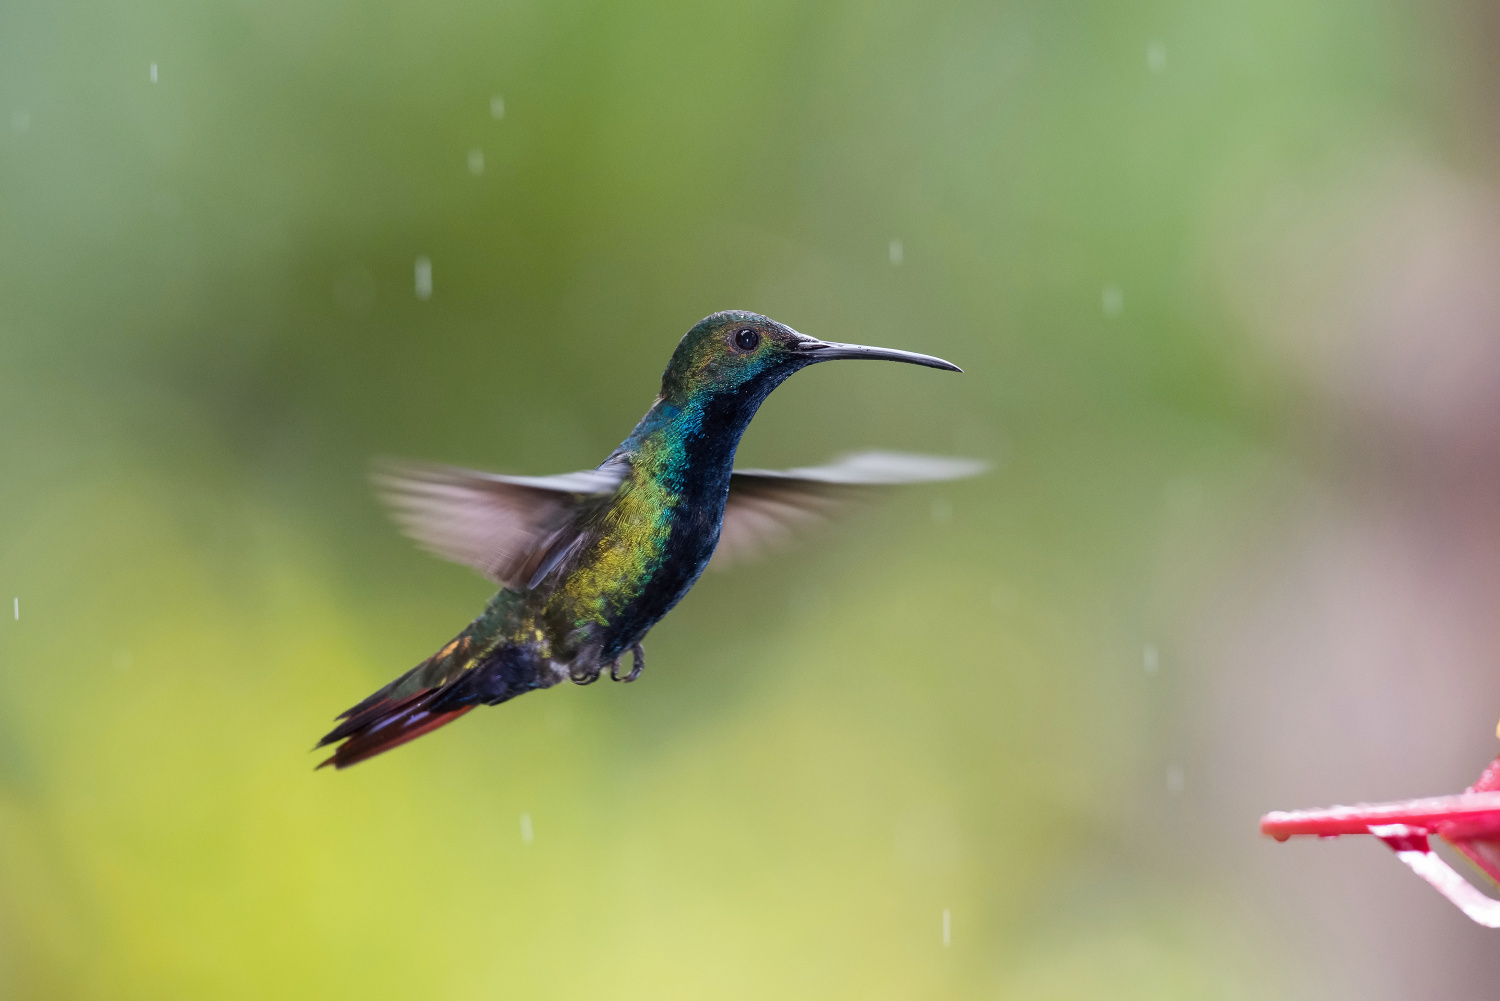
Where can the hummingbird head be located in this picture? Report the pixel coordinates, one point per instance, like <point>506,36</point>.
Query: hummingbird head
<point>740,356</point>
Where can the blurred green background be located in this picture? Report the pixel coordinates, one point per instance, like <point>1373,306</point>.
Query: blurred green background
<point>1222,278</point>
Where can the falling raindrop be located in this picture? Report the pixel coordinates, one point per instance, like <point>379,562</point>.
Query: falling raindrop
<point>153,72</point>
<point>424,278</point>
<point>1151,659</point>
<point>497,107</point>
<point>947,927</point>
<point>1113,301</point>
<point>17,606</point>
<point>476,162</point>
<point>898,253</point>
<point>1156,56</point>
<point>526,829</point>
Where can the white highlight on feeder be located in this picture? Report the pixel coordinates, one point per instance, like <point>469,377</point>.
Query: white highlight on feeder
<point>1150,659</point>
<point>947,927</point>
<point>424,278</point>
<point>1460,892</point>
<point>1156,56</point>
<point>153,72</point>
<point>476,162</point>
<point>497,107</point>
<point>898,253</point>
<point>526,834</point>
<point>1113,301</point>
<point>1175,779</point>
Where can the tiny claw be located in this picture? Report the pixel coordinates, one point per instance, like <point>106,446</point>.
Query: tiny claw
<point>587,677</point>
<point>639,657</point>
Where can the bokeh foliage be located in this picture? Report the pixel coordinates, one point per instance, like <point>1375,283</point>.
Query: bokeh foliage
<point>208,327</point>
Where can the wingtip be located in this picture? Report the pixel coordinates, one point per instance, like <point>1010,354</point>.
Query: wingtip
<point>880,467</point>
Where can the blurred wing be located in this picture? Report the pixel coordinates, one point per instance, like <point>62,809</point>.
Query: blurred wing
<point>512,529</point>
<point>769,507</point>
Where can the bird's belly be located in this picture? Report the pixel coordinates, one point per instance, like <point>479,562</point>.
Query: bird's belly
<point>661,593</point>
<point>636,603</point>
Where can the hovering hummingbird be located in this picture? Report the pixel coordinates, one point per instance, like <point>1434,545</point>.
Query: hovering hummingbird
<point>588,562</point>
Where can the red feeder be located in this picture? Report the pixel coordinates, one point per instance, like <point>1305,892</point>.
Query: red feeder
<point>1470,822</point>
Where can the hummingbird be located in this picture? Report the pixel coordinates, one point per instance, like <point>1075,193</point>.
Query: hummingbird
<point>588,562</point>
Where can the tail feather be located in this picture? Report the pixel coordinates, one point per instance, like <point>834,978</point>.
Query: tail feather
<point>386,725</point>
<point>433,694</point>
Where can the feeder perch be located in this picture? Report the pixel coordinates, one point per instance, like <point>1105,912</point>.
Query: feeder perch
<point>1470,822</point>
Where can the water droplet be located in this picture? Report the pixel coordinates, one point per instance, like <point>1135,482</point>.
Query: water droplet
<point>1175,779</point>
<point>898,253</point>
<point>947,927</point>
<point>1151,659</point>
<point>476,162</point>
<point>1113,301</point>
<point>526,829</point>
<point>424,278</point>
<point>497,107</point>
<point>153,72</point>
<point>20,120</point>
<point>1156,56</point>
<point>942,511</point>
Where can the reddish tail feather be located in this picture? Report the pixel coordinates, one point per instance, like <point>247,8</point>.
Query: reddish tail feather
<point>448,684</point>
<point>387,723</point>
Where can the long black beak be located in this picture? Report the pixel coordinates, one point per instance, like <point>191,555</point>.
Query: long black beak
<point>830,350</point>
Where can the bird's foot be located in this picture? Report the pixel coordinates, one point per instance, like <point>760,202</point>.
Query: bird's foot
<point>638,656</point>
<point>584,675</point>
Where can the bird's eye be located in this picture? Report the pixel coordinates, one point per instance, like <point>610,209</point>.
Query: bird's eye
<point>746,339</point>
